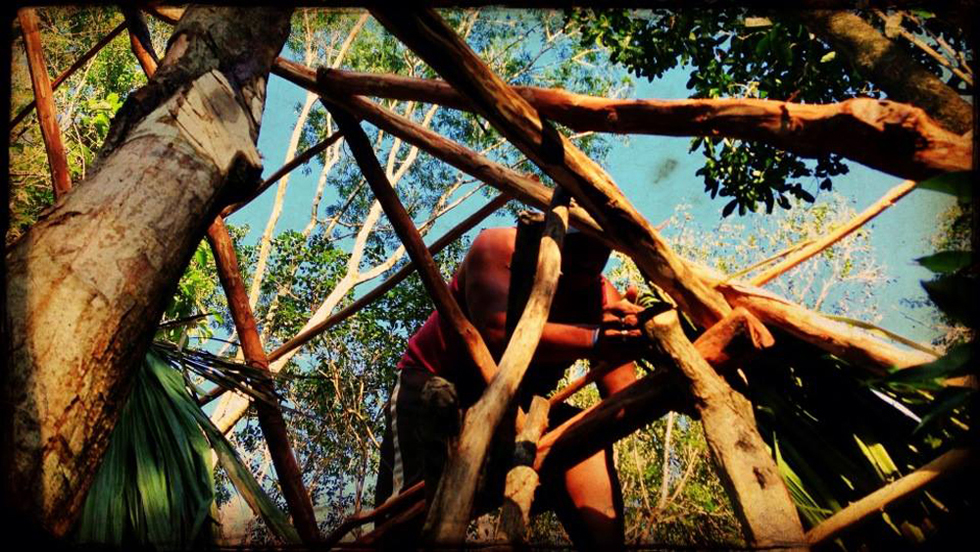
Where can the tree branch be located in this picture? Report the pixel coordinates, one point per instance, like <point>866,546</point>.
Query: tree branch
<point>864,130</point>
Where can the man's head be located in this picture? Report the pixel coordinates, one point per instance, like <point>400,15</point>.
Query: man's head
<point>583,257</point>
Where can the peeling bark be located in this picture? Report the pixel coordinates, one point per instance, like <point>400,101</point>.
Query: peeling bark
<point>89,282</point>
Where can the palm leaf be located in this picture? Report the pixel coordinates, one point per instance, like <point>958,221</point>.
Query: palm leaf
<point>229,460</point>
<point>155,486</point>
<point>234,376</point>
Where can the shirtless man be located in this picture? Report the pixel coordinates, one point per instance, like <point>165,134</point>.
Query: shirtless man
<point>588,319</point>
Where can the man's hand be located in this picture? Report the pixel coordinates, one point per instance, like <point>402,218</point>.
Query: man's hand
<point>620,336</point>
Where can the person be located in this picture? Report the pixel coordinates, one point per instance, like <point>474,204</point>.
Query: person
<point>588,319</point>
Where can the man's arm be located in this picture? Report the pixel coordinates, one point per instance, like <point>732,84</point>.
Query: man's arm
<point>486,279</point>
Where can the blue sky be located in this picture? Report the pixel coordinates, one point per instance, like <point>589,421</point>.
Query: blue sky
<point>657,173</point>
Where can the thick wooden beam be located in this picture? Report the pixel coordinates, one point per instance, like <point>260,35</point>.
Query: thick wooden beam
<point>852,344</point>
<point>876,502</point>
<point>608,421</point>
<point>270,417</point>
<point>522,480</point>
<point>747,470</point>
<point>449,514</point>
<point>868,131</point>
<point>71,70</point>
<point>730,343</point>
<point>429,37</point>
<point>363,152</point>
<point>44,99</point>
<point>450,236</point>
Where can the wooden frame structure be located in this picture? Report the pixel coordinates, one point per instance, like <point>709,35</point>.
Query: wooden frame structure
<point>734,315</point>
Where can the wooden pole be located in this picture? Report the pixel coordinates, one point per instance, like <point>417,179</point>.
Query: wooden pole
<point>43,97</point>
<point>815,247</point>
<point>876,502</point>
<point>522,480</point>
<point>139,39</point>
<point>270,417</point>
<point>363,152</point>
<point>71,70</point>
<point>863,129</point>
<point>429,37</point>
<point>452,235</point>
<point>747,470</point>
<point>732,342</point>
<point>393,506</point>
<point>609,420</point>
<point>449,513</point>
<point>524,188</point>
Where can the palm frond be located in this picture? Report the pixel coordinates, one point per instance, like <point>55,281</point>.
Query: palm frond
<point>155,486</point>
<point>227,374</point>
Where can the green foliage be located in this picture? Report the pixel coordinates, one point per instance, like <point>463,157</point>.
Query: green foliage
<point>831,453</point>
<point>746,53</point>
<point>198,296</point>
<point>154,486</point>
<point>958,184</point>
<point>85,102</point>
<point>734,54</point>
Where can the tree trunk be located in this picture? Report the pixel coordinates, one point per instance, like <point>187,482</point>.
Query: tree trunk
<point>89,282</point>
<point>884,63</point>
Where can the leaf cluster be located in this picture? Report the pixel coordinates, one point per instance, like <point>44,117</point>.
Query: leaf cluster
<point>735,53</point>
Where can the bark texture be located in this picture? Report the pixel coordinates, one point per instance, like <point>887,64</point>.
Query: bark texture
<point>89,282</point>
<point>749,473</point>
<point>896,138</point>
<point>884,63</point>
<point>429,37</point>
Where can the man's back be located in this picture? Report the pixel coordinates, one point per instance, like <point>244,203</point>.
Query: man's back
<point>481,286</point>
